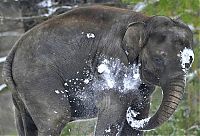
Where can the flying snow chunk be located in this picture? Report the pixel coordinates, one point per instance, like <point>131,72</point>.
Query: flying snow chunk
<point>3,59</point>
<point>2,86</point>
<point>108,130</point>
<point>56,91</point>
<point>86,81</point>
<point>107,75</point>
<point>187,55</point>
<point>103,68</point>
<point>132,81</point>
<point>110,82</point>
<point>90,35</point>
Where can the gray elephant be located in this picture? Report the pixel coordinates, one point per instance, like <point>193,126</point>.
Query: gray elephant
<point>100,62</point>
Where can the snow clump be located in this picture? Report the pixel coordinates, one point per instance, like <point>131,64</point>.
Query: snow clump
<point>90,35</point>
<point>113,74</point>
<point>130,115</point>
<point>187,57</point>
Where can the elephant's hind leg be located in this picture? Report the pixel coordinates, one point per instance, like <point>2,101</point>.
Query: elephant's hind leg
<point>24,122</point>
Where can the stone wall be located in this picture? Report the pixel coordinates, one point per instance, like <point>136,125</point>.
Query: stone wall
<point>10,30</point>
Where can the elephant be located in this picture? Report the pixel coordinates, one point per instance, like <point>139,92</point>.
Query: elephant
<point>98,61</point>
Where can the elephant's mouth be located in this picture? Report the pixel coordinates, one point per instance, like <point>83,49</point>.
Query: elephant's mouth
<point>149,77</point>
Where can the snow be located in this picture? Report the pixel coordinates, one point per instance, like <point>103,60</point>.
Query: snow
<point>132,81</point>
<point>103,67</point>
<point>86,81</point>
<point>110,82</point>
<point>105,70</point>
<point>127,53</point>
<point>132,112</point>
<point>56,91</point>
<point>108,130</point>
<point>111,74</point>
<point>191,26</point>
<point>2,86</point>
<point>50,6</point>
<point>66,91</point>
<point>45,3</point>
<point>139,6</point>
<point>186,56</point>
<point>90,35</point>
<point>115,75</point>
<point>130,115</point>
<point>2,59</point>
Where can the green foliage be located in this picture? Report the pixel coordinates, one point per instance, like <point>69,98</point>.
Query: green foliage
<point>188,10</point>
<point>79,128</point>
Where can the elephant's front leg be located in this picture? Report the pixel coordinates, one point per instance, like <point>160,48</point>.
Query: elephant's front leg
<point>112,114</point>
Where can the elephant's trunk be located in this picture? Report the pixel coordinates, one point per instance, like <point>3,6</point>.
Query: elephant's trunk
<point>172,94</point>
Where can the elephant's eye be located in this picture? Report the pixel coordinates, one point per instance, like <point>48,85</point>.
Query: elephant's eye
<point>158,60</point>
<point>161,38</point>
<point>158,37</point>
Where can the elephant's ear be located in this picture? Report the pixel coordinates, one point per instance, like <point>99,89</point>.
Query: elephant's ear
<point>133,40</point>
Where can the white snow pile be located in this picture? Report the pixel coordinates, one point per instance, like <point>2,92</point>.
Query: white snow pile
<point>139,6</point>
<point>115,75</point>
<point>50,5</point>
<point>130,115</point>
<point>2,86</point>
<point>2,59</point>
<point>186,56</point>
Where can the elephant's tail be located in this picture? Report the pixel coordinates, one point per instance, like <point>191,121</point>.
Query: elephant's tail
<point>7,68</point>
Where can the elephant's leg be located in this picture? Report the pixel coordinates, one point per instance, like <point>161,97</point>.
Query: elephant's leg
<point>18,117</point>
<point>24,122</point>
<point>127,130</point>
<point>111,116</point>
<point>47,102</point>
<point>19,123</point>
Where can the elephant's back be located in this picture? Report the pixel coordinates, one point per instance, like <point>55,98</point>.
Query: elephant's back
<point>101,15</point>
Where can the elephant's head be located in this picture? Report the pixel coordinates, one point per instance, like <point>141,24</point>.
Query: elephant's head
<point>163,47</point>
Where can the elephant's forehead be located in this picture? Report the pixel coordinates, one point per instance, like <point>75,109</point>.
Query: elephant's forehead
<point>176,30</point>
